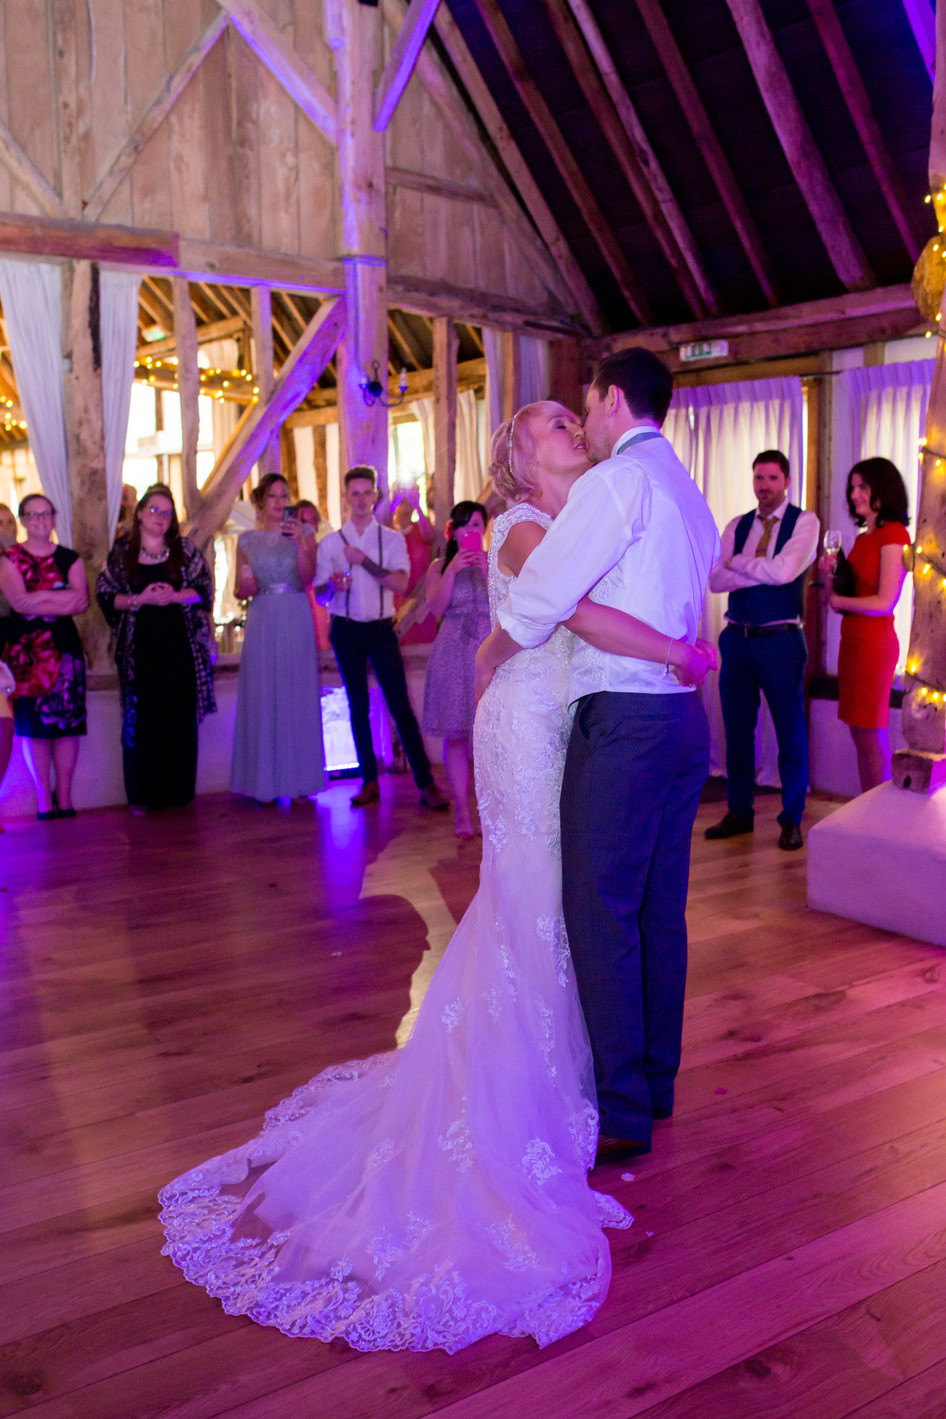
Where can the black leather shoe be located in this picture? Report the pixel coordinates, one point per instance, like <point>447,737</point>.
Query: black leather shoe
<point>615,1150</point>
<point>731,826</point>
<point>790,838</point>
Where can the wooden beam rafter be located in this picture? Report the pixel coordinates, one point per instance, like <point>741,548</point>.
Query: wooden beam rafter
<point>87,241</point>
<point>400,66</point>
<point>284,62</point>
<point>215,330</point>
<point>710,148</point>
<point>855,96</point>
<point>608,99</point>
<point>562,261</point>
<point>553,138</point>
<point>21,166</point>
<point>799,147</point>
<point>171,91</point>
<point>881,313</point>
<point>188,383</point>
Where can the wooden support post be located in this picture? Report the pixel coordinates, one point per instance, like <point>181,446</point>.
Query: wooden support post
<point>261,298</point>
<point>446,345</point>
<point>922,765</point>
<point>512,381</point>
<point>85,441</point>
<point>354,32</point>
<point>188,384</point>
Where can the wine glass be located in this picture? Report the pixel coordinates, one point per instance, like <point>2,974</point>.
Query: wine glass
<point>832,543</point>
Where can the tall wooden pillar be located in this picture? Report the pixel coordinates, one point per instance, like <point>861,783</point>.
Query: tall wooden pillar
<point>188,384</point>
<point>922,765</point>
<point>512,374</point>
<point>355,33</point>
<point>261,298</point>
<point>446,345</point>
<point>85,440</point>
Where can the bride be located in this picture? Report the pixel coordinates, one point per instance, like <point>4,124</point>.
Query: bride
<point>437,1194</point>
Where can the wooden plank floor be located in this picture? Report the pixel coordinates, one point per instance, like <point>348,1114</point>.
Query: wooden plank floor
<point>164,980</point>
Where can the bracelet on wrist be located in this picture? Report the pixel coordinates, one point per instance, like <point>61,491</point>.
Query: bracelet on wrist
<point>667,670</point>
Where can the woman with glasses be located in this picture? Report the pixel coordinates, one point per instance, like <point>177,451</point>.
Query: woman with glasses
<point>155,593</point>
<point>45,586</point>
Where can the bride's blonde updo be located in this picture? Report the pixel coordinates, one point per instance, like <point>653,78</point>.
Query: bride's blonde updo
<point>513,466</point>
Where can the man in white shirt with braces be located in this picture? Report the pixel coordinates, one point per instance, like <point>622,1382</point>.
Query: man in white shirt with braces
<point>359,569</point>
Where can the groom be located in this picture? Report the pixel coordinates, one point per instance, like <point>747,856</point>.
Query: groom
<point>638,532</point>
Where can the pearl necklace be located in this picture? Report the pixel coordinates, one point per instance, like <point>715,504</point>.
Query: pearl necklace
<point>153,557</point>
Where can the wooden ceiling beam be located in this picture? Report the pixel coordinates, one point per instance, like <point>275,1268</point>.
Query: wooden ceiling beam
<point>704,136</point>
<point>855,96</point>
<point>848,319</point>
<point>171,90</point>
<point>471,374</point>
<point>553,138</point>
<point>283,61</point>
<point>87,241</point>
<point>604,91</point>
<point>216,330</point>
<point>404,55</point>
<point>418,354</point>
<point>407,359</point>
<point>799,147</point>
<point>562,257</point>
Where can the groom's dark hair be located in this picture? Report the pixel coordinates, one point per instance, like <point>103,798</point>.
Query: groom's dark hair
<point>645,382</point>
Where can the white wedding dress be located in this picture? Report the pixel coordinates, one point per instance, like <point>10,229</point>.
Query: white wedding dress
<point>437,1194</point>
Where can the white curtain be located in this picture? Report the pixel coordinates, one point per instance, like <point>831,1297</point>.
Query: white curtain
<point>717,430</point>
<point>493,349</point>
<point>423,411</point>
<point>887,412</point>
<point>31,292</point>
<point>533,369</point>
<point>533,373</point>
<point>118,303</point>
<point>469,478</point>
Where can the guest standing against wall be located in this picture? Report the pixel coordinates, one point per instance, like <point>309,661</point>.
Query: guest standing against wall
<point>877,501</point>
<point>45,585</point>
<point>763,564</point>
<point>277,742</point>
<point>156,593</point>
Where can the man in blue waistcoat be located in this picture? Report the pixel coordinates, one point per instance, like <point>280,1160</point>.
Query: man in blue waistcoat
<point>764,563</point>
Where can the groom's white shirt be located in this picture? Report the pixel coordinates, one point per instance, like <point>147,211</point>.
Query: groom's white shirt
<point>637,533</point>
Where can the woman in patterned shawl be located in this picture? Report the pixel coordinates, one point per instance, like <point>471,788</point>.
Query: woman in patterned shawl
<point>155,593</point>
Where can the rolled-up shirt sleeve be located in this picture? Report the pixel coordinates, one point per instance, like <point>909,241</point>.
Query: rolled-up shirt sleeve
<point>585,541</point>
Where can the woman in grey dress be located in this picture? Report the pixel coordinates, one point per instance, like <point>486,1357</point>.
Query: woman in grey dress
<point>277,741</point>
<point>456,590</point>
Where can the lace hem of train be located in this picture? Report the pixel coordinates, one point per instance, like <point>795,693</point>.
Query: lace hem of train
<point>434,1311</point>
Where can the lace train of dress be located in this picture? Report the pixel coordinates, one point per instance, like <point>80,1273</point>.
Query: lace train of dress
<point>438,1194</point>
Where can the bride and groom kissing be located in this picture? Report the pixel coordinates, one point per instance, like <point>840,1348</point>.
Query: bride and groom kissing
<point>439,1194</point>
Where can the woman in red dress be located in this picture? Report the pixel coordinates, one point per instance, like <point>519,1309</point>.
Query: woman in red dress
<point>877,501</point>
<point>45,585</point>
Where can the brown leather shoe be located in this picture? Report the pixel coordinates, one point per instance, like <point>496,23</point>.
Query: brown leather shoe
<point>615,1150</point>
<point>431,797</point>
<point>368,793</point>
